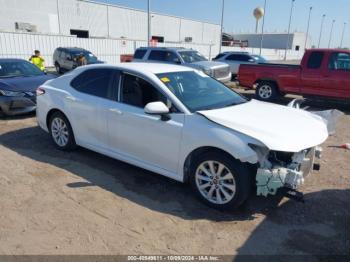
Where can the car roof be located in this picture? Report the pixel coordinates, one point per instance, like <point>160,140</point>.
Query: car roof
<point>236,52</point>
<point>153,68</point>
<point>73,49</point>
<point>165,48</point>
<point>329,50</point>
<point>12,60</point>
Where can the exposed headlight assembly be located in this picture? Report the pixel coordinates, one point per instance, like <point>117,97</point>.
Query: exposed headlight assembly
<point>207,71</point>
<point>11,93</point>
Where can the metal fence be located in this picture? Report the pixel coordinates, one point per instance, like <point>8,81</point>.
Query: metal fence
<point>22,45</point>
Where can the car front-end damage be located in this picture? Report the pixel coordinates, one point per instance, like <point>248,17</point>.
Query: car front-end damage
<point>277,170</point>
<point>287,170</point>
<point>288,140</point>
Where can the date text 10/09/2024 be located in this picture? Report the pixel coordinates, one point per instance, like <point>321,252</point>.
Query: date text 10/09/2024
<point>173,258</point>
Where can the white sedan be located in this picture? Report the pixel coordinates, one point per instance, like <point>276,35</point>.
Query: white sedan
<point>178,122</point>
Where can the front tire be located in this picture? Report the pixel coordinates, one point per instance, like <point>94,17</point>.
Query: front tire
<point>267,91</point>
<point>61,132</point>
<point>220,181</point>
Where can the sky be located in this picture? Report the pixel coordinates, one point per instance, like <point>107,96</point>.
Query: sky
<point>238,17</point>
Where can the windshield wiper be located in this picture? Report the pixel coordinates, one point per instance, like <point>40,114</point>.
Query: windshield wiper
<point>235,104</point>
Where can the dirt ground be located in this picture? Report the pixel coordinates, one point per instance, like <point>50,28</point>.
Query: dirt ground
<point>85,203</point>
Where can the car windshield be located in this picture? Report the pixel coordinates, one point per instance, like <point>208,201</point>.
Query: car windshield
<point>197,91</point>
<point>259,59</point>
<point>18,68</point>
<point>90,57</point>
<point>192,56</point>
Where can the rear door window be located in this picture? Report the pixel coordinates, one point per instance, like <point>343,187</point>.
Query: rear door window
<point>219,56</point>
<point>97,82</point>
<point>339,61</point>
<point>165,56</point>
<point>232,58</point>
<point>238,57</point>
<point>140,53</point>
<point>315,60</point>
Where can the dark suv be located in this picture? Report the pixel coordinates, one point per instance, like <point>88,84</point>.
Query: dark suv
<point>65,58</point>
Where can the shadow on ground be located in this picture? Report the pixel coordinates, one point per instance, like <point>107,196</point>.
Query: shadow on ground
<point>320,227</point>
<point>140,186</point>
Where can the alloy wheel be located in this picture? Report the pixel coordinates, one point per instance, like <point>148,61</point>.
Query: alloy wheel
<point>59,132</point>
<point>265,91</point>
<point>215,182</point>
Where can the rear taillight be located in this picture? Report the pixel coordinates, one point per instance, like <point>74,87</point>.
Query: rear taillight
<point>40,91</point>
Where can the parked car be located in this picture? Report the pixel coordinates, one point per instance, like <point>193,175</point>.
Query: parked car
<point>322,73</point>
<point>183,124</point>
<point>18,81</point>
<point>186,57</point>
<point>235,59</point>
<point>65,58</point>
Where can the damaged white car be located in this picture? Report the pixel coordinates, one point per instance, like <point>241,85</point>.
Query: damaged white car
<point>185,125</point>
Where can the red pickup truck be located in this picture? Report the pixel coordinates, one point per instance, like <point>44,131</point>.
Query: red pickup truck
<point>322,73</point>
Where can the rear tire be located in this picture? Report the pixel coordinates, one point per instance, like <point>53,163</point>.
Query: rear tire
<point>220,181</point>
<point>58,68</point>
<point>61,132</point>
<point>267,91</point>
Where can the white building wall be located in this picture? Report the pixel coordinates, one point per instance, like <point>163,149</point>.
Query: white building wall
<point>101,20</point>
<point>127,23</point>
<point>274,41</point>
<point>192,29</point>
<point>166,26</point>
<point>211,33</point>
<point>82,16</point>
<point>43,14</point>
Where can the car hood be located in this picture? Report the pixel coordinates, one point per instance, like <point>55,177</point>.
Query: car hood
<point>209,64</point>
<point>280,128</point>
<point>24,84</point>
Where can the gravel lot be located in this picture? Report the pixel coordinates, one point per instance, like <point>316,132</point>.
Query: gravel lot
<point>85,203</point>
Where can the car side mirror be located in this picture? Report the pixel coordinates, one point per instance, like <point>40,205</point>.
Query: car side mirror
<point>157,108</point>
<point>251,60</point>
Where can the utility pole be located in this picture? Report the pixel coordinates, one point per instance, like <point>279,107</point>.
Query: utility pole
<point>342,36</point>
<point>290,22</point>
<point>149,22</point>
<point>262,28</point>
<point>322,22</point>
<point>331,34</point>
<point>222,24</point>
<point>58,17</point>
<point>308,27</point>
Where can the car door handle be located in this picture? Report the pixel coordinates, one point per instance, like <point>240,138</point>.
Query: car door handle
<point>115,110</point>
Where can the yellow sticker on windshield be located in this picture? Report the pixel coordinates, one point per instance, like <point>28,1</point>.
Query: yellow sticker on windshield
<point>165,80</point>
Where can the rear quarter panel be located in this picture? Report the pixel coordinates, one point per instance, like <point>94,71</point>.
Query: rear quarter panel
<point>55,91</point>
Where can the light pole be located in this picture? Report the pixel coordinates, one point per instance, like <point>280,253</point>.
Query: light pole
<point>308,27</point>
<point>342,36</point>
<point>290,22</point>
<point>322,22</point>
<point>149,22</point>
<point>222,24</point>
<point>331,34</point>
<point>262,28</point>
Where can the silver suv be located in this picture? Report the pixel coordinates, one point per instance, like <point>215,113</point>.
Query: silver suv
<point>186,57</point>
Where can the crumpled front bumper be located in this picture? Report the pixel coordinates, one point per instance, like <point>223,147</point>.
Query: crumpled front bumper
<point>273,176</point>
<point>17,105</point>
